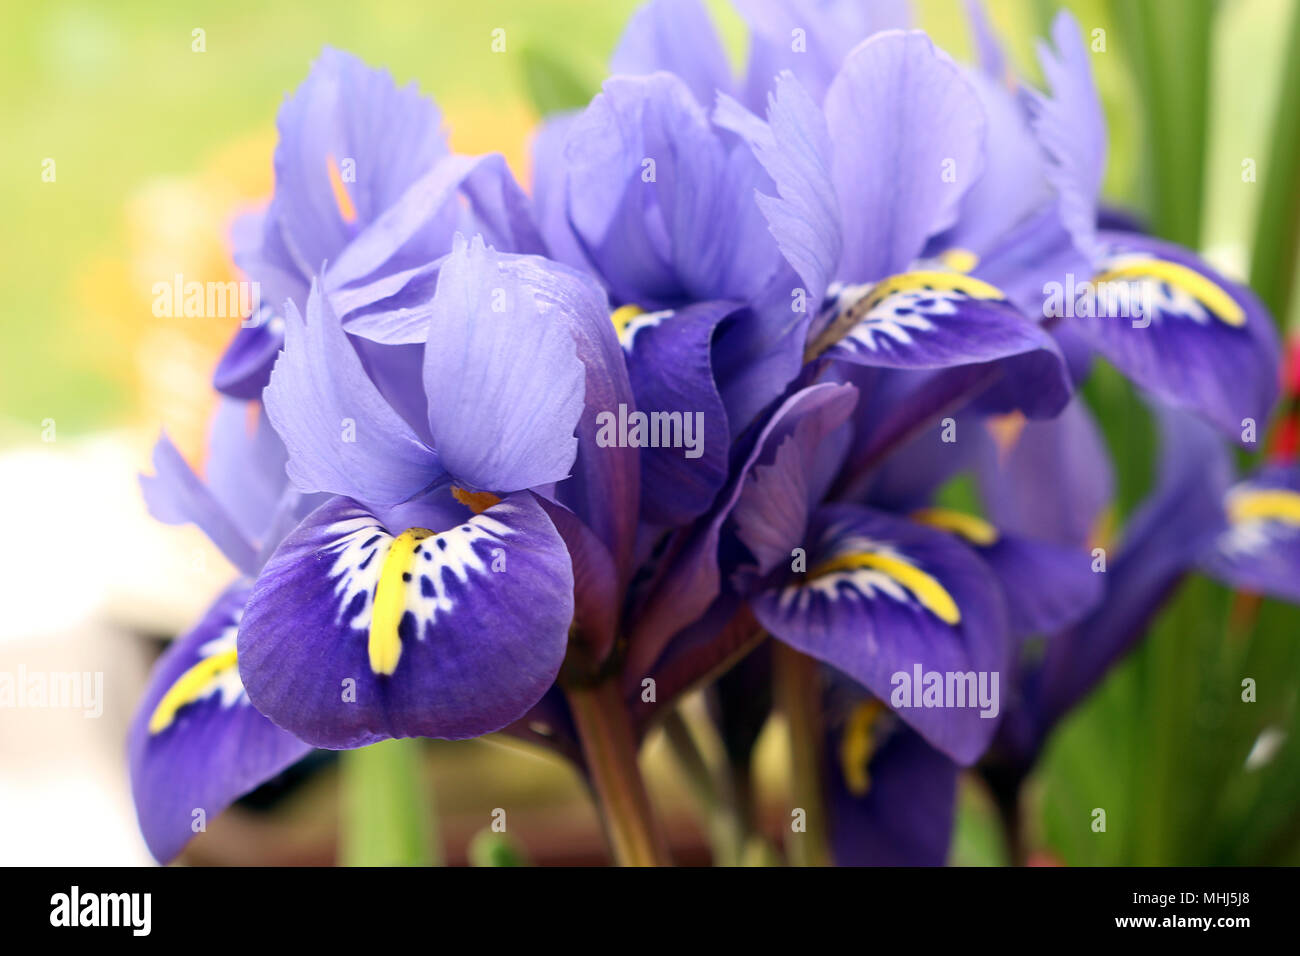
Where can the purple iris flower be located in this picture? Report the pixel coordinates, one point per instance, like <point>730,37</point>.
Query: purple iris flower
<point>366,186</point>
<point>196,743</point>
<point>1175,326</point>
<point>432,596</point>
<point>432,513</point>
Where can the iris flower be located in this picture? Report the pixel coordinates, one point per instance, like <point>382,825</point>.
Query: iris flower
<point>823,260</point>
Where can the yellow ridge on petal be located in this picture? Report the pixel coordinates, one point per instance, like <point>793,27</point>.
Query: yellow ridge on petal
<point>189,687</point>
<point>857,746</point>
<point>974,529</point>
<point>1223,306</point>
<point>623,315</point>
<point>1270,504</point>
<point>385,644</point>
<point>927,590</point>
<point>959,260</point>
<point>934,279</point>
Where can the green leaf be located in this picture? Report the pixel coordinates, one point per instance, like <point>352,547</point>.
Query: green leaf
<point>1277,234</point>
<point>387,815</point>
<point>1168,45</point>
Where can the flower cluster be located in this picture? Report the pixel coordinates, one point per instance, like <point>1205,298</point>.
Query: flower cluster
<point>491,459</point>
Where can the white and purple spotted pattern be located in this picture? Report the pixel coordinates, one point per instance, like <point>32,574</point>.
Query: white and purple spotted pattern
<point>481,639</point>
<point>362,544</point>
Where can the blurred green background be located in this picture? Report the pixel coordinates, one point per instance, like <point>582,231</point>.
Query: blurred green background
<point>156,147</point>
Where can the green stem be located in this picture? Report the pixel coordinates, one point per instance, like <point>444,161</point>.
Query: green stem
<point>797,686</point>
<point>610,749</point>
<point>387,816</point>
<point>715,797</point>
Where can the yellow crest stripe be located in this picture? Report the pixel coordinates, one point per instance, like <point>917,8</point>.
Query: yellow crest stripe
<point>927,590</point>
<point>189,687</point>
<point>623,315</point>
<point>1221,305</point>
<point>385,644</point>
<point>959,260</point>
<point>1270,504</point>
<point>974,529</point>
<point>857,745</point>
<point>936,279</point>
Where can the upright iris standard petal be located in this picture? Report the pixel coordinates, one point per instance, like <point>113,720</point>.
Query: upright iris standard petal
<point>891,796</point>
<point>603,489</point>
<point>342,436</point>
<point>495,207</point>
<point>675,36</point>
<point>430,623</point>
<point>196,744</point>
<point>908,612</point>
<point>810,38</point>
<point>662,205</point>
<point>1260,549</point>
<point>907,133</point>
<point>1071,128</point>
<point>1181,330</point>
<point>794,148</point>
<point>347,111</point>
<point>1014,184</point>
<point>505,386</point>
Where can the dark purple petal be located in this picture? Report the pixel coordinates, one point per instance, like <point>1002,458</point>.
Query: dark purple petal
<point>245,366</point>
<point>690,578</point>
<point>882,597</point>
<point>1047,587</point>
<point>892,797</point>
<point>352,635</point>
<point>670,365</point>
<point>937,320</point>
<point>196,743</point>
<point>1201,342</point>
<point>1260,549</point>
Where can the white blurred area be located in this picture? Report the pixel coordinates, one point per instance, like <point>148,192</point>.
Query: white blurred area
<point>87,578</point>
